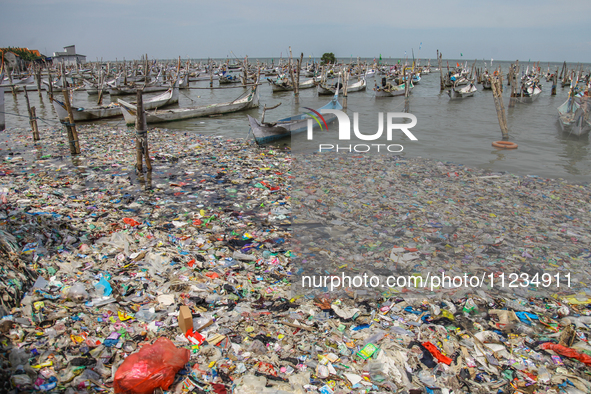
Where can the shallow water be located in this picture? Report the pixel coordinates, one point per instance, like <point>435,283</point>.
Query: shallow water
<point>460,131</point>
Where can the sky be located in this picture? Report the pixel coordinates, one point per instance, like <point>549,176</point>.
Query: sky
<point>467,29</point>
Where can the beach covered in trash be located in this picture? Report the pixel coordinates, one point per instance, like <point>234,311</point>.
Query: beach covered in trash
<point>184,279</point>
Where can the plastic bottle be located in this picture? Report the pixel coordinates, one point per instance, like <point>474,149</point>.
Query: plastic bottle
<point>543,375</point>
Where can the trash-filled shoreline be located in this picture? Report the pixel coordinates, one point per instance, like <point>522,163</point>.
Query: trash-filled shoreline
<point>192,264</point>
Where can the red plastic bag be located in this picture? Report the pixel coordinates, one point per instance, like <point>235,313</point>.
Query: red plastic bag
<point>436,353</point>
<point>567,352</point>
<point>152,367</point>
<point>131,222</point>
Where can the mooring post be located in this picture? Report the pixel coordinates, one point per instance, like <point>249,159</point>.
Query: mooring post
<point>407,92</point>
<point>73,135</point>
<point>68,123</point>
<point>345,86</point>
<point>34,124</point>
<point>498,98</point>
<point>38,80</point>
<point>439,61</point>
<point>210,73</point>
<point>554,83</point>
<point>2,117</point>
<point>32,119</point>
<point>141,130</point>
<point>245,71</point>
<point>50,80</point>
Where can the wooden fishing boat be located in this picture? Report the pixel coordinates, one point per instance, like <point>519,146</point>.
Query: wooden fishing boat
<point>390,90</point>
<point>466,91</point>
<point>228,78</point>
<point>268,132</point>
<point>370,73</point>
<point>25,81</point>
<point>529,93</point>
<point>114,109</point>
<point>244,102</point>
<point>128,90</point>
<point>573,115</point>
<point>204,77</point>
<point>358,86</point>
<point>486,81</point>
<point>284,85</point>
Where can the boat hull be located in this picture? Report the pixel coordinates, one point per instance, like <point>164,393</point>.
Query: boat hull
<point>122,91</point>
<point>265,133</point>
<point>392,93</point>
<point>248,102</point>
<point>111,111</point>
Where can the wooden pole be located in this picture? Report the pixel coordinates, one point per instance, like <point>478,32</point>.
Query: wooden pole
<point>34,124</point>
<point>407,92</point>
<point>294,83</point>
<point>554,83</point>
<point>245,71</point>
<point>49,78</point>
<point>210,73</point>
<point>146,71</point>
<point>2,117</point>
<point>298,71</point>
<point>73,134</point>
<point>441,82</point>
<point>345,86</point>
<point>141,130</point>
<point>498,98</point>
<point>101,86</point>
<point>32,119</point>
<point>68,123</point>
<point>38,80</point>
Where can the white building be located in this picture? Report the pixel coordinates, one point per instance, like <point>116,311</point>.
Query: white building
<point>69,57</point>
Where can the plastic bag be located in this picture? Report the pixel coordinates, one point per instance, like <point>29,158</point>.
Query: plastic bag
<point>152,367</point>
<point>103,288</point>
<point>567,352</point>
<point>77,292</point>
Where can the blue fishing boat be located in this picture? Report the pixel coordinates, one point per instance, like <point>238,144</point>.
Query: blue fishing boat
<point>268,132</point>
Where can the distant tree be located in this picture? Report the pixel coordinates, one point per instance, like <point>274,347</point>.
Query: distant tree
<point>328,58</point>
<point>24,53</point>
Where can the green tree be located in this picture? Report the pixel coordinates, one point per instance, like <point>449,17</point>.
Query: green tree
<point>24,54</point>
<point>328,58</point>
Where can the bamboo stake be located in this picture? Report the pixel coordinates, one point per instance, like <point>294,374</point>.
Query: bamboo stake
<point>49,78</point>
<point>146,71</point>
<point>293,81</point>
<point>2,117</point>
<point>34,124</point>
<point>245,71</point>
<point>72,134</point>
<point>407,92</point>
<point>441,83</point>
<point>210,73</point>
<point>32,118</point>
<point>101,87</point>
<point>141,130</point>
<point>345,86</point>
<point>38,80</point>
<point>498,98</point>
